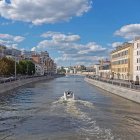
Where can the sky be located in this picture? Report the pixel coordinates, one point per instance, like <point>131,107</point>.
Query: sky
<point>74,32</point>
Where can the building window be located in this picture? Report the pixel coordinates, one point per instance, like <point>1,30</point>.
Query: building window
<point>127,52</point>
<point>126,61</point>
<point>137,68</point>
<point>138,45</point>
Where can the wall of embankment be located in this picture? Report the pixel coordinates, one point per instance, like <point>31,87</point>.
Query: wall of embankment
<point>129,94</point>
<point>15,84</point>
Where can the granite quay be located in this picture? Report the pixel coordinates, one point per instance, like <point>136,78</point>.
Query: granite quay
<point>125,90</point>
<point>12,84</point>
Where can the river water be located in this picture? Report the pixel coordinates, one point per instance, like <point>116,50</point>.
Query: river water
<point>37,112</point>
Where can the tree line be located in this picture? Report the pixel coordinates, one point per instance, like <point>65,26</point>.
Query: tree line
<point>24,67</point>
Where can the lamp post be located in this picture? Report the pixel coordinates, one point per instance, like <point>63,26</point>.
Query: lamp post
<point>2,52</point>
<point>15,68</point>
<point>27,68</point>
<point>32,73</point>
<point>128,75</point>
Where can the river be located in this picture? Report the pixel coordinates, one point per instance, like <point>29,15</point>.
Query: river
<point>37,112</point>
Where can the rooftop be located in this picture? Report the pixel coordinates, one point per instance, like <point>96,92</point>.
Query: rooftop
<point>123,46</point>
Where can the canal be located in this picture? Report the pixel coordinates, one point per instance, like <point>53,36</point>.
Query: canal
<point>37,112</point>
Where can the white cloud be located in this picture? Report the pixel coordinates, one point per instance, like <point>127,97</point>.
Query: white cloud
<point>6,36</point>
<point>66,42</point>
<point>18,38</point>
<point>43,11</point>
<point>11,37</point>
<point>82,60</point>
<point>116,44</point>
<point>66,57</point>
<point>91,47</point>
<point>10,40</point>
<point>69,49</point>
<point>6,23</point>
<point>129,31</point>
<point>14,46</point>
<point>33,49</point>
<point>57,36</point>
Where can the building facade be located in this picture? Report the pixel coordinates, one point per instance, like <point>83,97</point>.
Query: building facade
<point>96,67</point>
<point>122,62</point>
<point>55,68</point>
<point>4,51</point>
<point>105,69</point>
<point>43,63</point>
<point>46,62</point>
<point>136,61</point>
<point>39,69</point>
<point>27,55</point>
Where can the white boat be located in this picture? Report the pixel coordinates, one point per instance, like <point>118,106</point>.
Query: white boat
<point>68,95</point>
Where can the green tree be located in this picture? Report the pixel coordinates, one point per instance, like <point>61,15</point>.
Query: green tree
<point>26,67</point>
<point>30,67</point>
<point>21,67</point>
<point>61,70</point>
<point>3,68</point>
<point>6,66</point>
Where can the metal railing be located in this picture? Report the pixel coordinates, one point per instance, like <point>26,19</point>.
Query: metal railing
<point>116,82</point>
<point>12,79</point>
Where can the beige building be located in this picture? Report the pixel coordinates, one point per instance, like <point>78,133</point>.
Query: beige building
<point>49,66</point>
<point>122,62</point>
<point>43,59</point>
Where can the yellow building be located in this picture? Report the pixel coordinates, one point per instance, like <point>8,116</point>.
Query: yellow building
<point>122,62</point>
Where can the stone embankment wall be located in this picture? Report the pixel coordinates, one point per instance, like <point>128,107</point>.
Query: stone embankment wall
<point>129,94</point>
<point>15,84</point>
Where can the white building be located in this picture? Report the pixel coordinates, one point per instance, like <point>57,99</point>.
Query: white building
<point>67,70</point>
<point>75,70</point>
<point>71,71</point>
<point>96,67</point>
<point>105,69</point>
<point>136,61</point>
<point>105,73</point>
<point>39,69</point>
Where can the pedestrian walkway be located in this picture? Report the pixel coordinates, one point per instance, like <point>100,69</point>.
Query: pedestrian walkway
<point>121,83</point>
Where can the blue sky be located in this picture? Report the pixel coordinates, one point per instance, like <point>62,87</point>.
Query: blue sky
<point>79,32</point>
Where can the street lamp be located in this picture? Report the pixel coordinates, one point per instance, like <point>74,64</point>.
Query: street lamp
<point>15,68</point>
<point>27,68</point>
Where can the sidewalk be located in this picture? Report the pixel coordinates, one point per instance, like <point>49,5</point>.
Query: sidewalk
<point>117,82</point>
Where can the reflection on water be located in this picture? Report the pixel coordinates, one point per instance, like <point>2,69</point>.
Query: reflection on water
<point>38,112</point>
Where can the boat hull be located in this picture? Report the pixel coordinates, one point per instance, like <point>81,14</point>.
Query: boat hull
<point>68,95</point>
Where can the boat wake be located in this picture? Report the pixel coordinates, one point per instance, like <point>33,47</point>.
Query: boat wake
<point>88,126</point>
